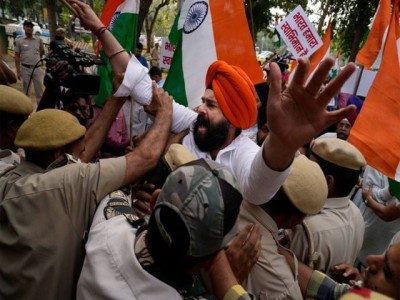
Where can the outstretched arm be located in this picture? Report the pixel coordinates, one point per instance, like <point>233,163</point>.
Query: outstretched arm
<point>387,213</point>
<point>299,114</point>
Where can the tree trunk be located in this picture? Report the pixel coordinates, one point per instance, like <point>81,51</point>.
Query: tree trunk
<point>358,35</point>
<point>149,22</point>
<point>149,32</point>
<point>323,16</point>
<point>144,10</point>
<point>3,7</point>
<point>51,14</point>
<point>94,38</point>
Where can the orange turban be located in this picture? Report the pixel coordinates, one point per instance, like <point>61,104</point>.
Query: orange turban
<point>235,93</point>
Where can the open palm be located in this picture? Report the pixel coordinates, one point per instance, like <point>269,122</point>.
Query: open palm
<point>299,114</point>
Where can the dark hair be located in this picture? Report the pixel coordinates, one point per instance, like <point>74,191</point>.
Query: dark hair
<point>139,45</point>
<point>40,158</point>
<point>173,256</point>
<point>155,71</point>
<point>281,203</point>
<point>345,179</point>
<point>262,90</point>
<point>6,118</point>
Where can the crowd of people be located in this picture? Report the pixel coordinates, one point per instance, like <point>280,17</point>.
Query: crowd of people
<point>188,204</point>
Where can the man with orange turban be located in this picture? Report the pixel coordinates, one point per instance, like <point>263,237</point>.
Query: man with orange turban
<point>294,117</point>
<point>229,106</point>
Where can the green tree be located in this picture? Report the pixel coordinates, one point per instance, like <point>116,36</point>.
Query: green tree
<point>357,15</point>
<point>150,20</point>
<point>16,8</point>
<point>165,19</point>
<point>52,17</point>
<point>3,4</point>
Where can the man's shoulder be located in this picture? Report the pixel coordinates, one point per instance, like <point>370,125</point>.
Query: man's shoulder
<point>242,141</point>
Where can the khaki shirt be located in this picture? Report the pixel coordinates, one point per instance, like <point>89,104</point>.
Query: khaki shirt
<point>29,49</point>
<point>338,233</point>
<point>43,219</point>
<point>271,277</point>
<point>8,160</point>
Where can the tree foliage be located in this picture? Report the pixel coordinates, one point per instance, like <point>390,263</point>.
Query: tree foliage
<point>351,18</point>
<point>352,21</point>
<point>151,18</point>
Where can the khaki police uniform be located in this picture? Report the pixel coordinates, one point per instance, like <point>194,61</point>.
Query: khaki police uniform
<point>337,232</point>
<point>44,216</point>
<point>29,50</point>
<point>271,277</point>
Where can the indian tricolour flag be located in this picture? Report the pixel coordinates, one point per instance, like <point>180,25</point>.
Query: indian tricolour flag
<point>206,31</point>
<point>370,55</point>
<point>375,132</point>
<point>121,17</point>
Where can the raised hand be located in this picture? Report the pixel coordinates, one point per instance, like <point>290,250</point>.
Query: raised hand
<point>86,15</point>
<point>299,114</point>
<point>161,99</point>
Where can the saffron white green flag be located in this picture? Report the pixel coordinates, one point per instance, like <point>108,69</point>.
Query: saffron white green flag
<point>370,55</point>
<point>120,17</point>
<point>205,31</point>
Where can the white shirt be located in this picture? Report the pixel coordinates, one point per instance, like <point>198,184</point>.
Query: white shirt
<point>258,183</point>
<point>111,269</point>
<point>378,233</point>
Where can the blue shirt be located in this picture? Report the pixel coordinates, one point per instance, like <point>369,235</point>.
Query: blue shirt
<point>143,61</point>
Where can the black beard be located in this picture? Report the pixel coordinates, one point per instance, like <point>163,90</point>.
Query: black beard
<point>215,136</point>
<point>342,136</point>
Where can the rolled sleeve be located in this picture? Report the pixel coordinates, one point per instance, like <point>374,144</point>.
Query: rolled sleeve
<point>136,83</point>
<point>182,117</point>
<point>324,288</point>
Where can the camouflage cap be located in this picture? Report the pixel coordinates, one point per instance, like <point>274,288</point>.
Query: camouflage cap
<point>49,129</point>
<point>14,102</point>
<point>306,186</point>
<point>205,196</point>
<point>339,152</point>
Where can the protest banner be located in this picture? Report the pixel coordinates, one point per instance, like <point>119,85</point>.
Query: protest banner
<point>167,52</point>
<point>299,34</point>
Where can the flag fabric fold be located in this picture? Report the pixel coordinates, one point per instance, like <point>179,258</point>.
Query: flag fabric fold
<point>370,56</point>
<point>336,67</point>
<point>120,17</point>
<point>276,38</point>
<point>206,31</point>
<point>375,132</point>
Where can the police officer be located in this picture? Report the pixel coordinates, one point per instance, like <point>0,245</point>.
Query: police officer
<point>15,108</point>
<point>28,51</point>
<point>47,202</point>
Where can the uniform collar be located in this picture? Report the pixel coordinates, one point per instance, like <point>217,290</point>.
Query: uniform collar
<point>337,202</point>
<point>256,212</point>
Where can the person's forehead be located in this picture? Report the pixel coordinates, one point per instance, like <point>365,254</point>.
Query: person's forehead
<point>344,121</point>
<point>209,95</point>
